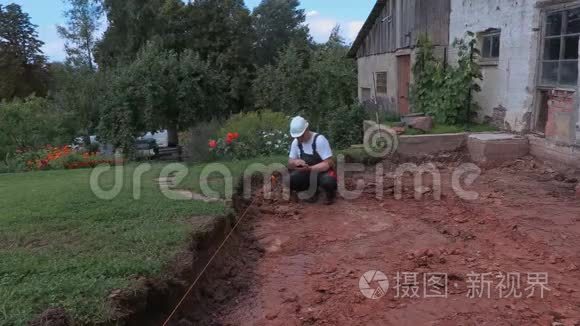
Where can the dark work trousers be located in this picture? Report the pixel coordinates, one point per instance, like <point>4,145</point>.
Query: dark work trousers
<point>301,181</point>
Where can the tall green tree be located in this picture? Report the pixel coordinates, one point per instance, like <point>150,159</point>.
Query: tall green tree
<point>22,63</point>
<point>75,94</point>
<point>278,23</point>
<point>131,24</point>
<point>161,89</point>
<point>80,32</point>
<point>221,32</point>
<point>335,76</point>
<point>286,85</point>
<point>314,84</point>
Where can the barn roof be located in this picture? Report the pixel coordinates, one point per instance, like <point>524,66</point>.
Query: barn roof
<point>368,25</point>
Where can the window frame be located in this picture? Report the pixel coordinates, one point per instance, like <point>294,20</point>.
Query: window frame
<point>378,92</point>
<point>562,37</point>
<point>491,60</point>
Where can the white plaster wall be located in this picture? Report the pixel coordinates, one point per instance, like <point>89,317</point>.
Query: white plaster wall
<point>511,83</point>
<point>368,66</point>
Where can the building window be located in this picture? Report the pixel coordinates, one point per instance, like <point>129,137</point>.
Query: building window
<point>381,79</point>
<point>490,45</point>
<point>559,64</point>
<point>365,94</point>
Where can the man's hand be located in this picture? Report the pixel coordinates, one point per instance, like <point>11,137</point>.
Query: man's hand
<point>296,164</point>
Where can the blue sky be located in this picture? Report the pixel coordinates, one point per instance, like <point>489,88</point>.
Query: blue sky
<point>322,16</point>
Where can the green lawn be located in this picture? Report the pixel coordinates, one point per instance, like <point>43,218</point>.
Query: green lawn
<point>62,246</point>
<point>237,168</point>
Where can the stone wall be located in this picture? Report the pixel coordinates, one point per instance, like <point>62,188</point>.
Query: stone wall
<point>562,157</point>
<point>421,145</point>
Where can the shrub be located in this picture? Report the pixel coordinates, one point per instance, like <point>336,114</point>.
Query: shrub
<point>194,141</point>
<point>276,142</point>
<point>444,92</point>
<point>345,126</point>
<point>29,124</point>
<point>249,124</point>
<point>252,128</point>
<point>246,135</point>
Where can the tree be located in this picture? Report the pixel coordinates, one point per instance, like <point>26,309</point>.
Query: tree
<point>22,64</point>
<point>131,24</point>
<point>315,83</point>
<point>335,76</point>
<point>222,34</point>
<point>286,85</point>
<point>80,32</point>
<point>161,89</point>
<point>278,23</point>
<point>75,93</point>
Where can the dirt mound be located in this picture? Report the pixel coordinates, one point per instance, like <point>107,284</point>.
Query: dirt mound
<point>52,317</point>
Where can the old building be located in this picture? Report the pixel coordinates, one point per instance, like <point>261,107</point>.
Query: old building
<point>385,48</point>
<point>529,62</point>
<point>529,59</point>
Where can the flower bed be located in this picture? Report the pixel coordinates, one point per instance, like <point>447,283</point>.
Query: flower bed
<point>64,157</point>
<point>233,146</point>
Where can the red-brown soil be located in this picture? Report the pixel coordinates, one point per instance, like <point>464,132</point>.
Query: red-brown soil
<point>526,220</point>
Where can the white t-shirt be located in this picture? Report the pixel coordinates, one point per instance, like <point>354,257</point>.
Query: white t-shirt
<point>322,148</point>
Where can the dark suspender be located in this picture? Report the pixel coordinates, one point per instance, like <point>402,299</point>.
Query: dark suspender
<point>314,152</point>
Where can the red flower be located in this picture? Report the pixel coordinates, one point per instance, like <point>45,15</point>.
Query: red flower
<point>212,144</point>
<point>231,136</point>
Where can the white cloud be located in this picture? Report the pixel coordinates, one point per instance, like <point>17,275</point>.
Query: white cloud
<point>312,13</point>
<point>54,50</point>
<point>53,45</point>
<point>320,28</point>
<point>352,28</point>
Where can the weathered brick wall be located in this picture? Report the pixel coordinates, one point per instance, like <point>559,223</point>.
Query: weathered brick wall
<point>498,117</point>
<point>561,116</point>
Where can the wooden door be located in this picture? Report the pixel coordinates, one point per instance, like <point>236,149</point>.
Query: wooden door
<point>404,77</point>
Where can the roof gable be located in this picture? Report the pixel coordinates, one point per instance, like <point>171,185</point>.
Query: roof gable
<point>367,27</point>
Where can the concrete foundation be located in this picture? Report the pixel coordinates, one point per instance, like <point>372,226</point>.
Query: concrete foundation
<point>561,157</point>
<point>491,149</point>
<point>430,144</point>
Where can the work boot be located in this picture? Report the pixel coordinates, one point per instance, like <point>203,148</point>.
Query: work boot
<point>330,198</point>
<point>313,199</point>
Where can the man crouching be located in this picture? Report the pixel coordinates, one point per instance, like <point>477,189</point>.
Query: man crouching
<point>311,160</point>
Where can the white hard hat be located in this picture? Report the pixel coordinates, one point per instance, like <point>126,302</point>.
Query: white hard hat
<point>298,127</point>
